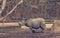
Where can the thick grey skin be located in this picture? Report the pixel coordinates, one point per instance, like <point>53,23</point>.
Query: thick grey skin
<point>35,23</point>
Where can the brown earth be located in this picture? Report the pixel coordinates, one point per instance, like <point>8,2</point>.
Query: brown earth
<point>16,32</point>
<point>25,32</point>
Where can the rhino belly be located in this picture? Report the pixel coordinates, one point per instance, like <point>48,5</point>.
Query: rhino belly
<point>35,26</point>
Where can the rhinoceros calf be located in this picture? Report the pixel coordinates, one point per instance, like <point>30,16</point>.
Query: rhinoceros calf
<point>35,23</point>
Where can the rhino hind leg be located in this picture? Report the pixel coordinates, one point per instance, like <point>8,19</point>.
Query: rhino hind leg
<point>42,29</point>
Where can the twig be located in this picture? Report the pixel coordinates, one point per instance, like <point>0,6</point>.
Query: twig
<point>11,10</point>
<point>3,6</point>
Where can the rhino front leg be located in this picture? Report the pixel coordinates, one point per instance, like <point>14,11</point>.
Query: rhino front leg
<point>33,31</point>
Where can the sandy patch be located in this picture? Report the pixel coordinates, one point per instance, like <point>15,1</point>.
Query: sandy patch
<point>8,24</point>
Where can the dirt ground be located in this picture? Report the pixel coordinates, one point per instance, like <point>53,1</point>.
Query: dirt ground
<point>16,32</point>
<point>12,30</point>
<point>25,32</point>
